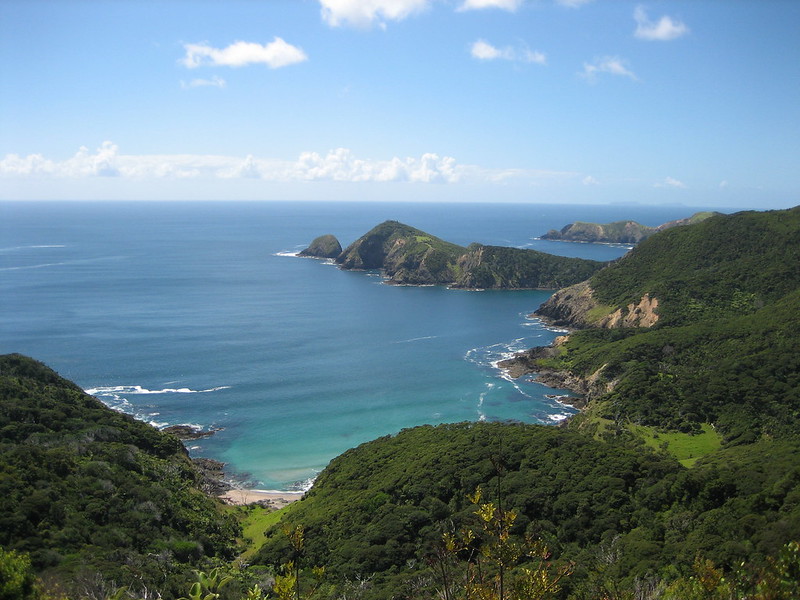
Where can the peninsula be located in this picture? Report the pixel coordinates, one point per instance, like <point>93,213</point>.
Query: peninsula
<point>618,232</point>
<point>409,256</point>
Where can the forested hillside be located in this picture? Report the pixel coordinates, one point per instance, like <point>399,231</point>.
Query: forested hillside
<point>619,232</point>
<point>95,498</point>
<point>610,509</point>
<point>724,348</point>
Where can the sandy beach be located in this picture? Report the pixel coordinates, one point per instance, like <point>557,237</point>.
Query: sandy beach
<point>277,499</point>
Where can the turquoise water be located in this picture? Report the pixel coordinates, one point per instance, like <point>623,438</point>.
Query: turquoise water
<point>198,313</point>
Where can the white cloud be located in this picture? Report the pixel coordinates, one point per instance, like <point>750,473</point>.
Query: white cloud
<point>671,182</point>
<point>589,180</point>
<point>663,30</point>
<point>365,13</point>
<point>338,165</point>
<point>612,65</point>
<point>483,50</point>
<point>342,165</point>
<point>276,54</point>
<point>509,5</point>
<point>215,81</point>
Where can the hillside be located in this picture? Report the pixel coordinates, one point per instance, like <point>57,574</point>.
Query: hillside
<point>91,495</point>
<point>619,232</point>
<point>722,299</point>
<point>380,514</point>
<point>688,445</point>
<point>406,255</point>
<point>409,256</point>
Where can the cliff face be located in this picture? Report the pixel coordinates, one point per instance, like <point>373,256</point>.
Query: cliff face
<point>569,307</point>
<point>576,306</point>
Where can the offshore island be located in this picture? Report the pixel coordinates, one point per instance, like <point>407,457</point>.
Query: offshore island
<point>678,480</point>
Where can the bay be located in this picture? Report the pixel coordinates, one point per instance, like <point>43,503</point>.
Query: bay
<point>199,313</point>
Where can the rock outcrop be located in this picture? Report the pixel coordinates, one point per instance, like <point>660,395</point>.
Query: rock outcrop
<point>325,246</point>
<point>576,307</point>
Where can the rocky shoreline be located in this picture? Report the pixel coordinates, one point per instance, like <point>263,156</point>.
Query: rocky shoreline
<point>525,363</point>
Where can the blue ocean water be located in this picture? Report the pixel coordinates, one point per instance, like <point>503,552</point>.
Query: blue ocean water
<point>199,313</point>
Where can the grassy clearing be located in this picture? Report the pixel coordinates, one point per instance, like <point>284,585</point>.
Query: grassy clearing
<point>685,447</point>
<point>255,521</point>
<point>598,312</point>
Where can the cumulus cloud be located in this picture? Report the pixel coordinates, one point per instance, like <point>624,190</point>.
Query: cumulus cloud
<point>589,180</point>
<point>663,30</point>
<point>101,163</point>
<point>612,65</point>
<point>338,165</point>
<point>342,165</point>
<point>670,182</point>
<point>365,13</point>
<point>509,5</point>
<point>215,81</point>
<point>483,50</point>
<point>275,54</point>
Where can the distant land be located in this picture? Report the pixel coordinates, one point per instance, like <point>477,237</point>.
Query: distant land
<point>409,256</point>
<point>618,232</point>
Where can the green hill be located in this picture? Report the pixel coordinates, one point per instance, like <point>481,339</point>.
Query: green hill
<point>407,255</point>
<point>724,302</point>
<point>619,232</point>
<point>412,257</point>
<point>95,497</point>
<point>617,511</point>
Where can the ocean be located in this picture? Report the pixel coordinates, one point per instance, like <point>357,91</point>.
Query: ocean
<point>200,313</point>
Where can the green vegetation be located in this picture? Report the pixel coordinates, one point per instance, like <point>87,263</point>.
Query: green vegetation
<point>727,265</point>
<point>724,350</point>
<point>255,521</point>
<point>609,506</point>
<point>325,246</point>
<point>619,232</point>
<point>512,268</point>
<point>406,254</point>
<point>687,448</point>
<point>680,480</point>
<point>411,256</point>
<point>91,495</point>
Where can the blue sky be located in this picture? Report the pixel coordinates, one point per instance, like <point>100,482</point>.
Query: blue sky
<point>581,101</point>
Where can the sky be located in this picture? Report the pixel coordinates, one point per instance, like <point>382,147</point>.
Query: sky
<point>555,101</point>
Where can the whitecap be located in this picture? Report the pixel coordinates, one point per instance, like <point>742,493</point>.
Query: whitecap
<point>558,417</point>
<point>289,253</point>
<point>135,390</point>
<point>416,339</point>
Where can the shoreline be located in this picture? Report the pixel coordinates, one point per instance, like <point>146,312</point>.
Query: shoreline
<point>273,498</point>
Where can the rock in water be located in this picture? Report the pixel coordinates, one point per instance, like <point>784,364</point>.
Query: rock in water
<point>325,246</point>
